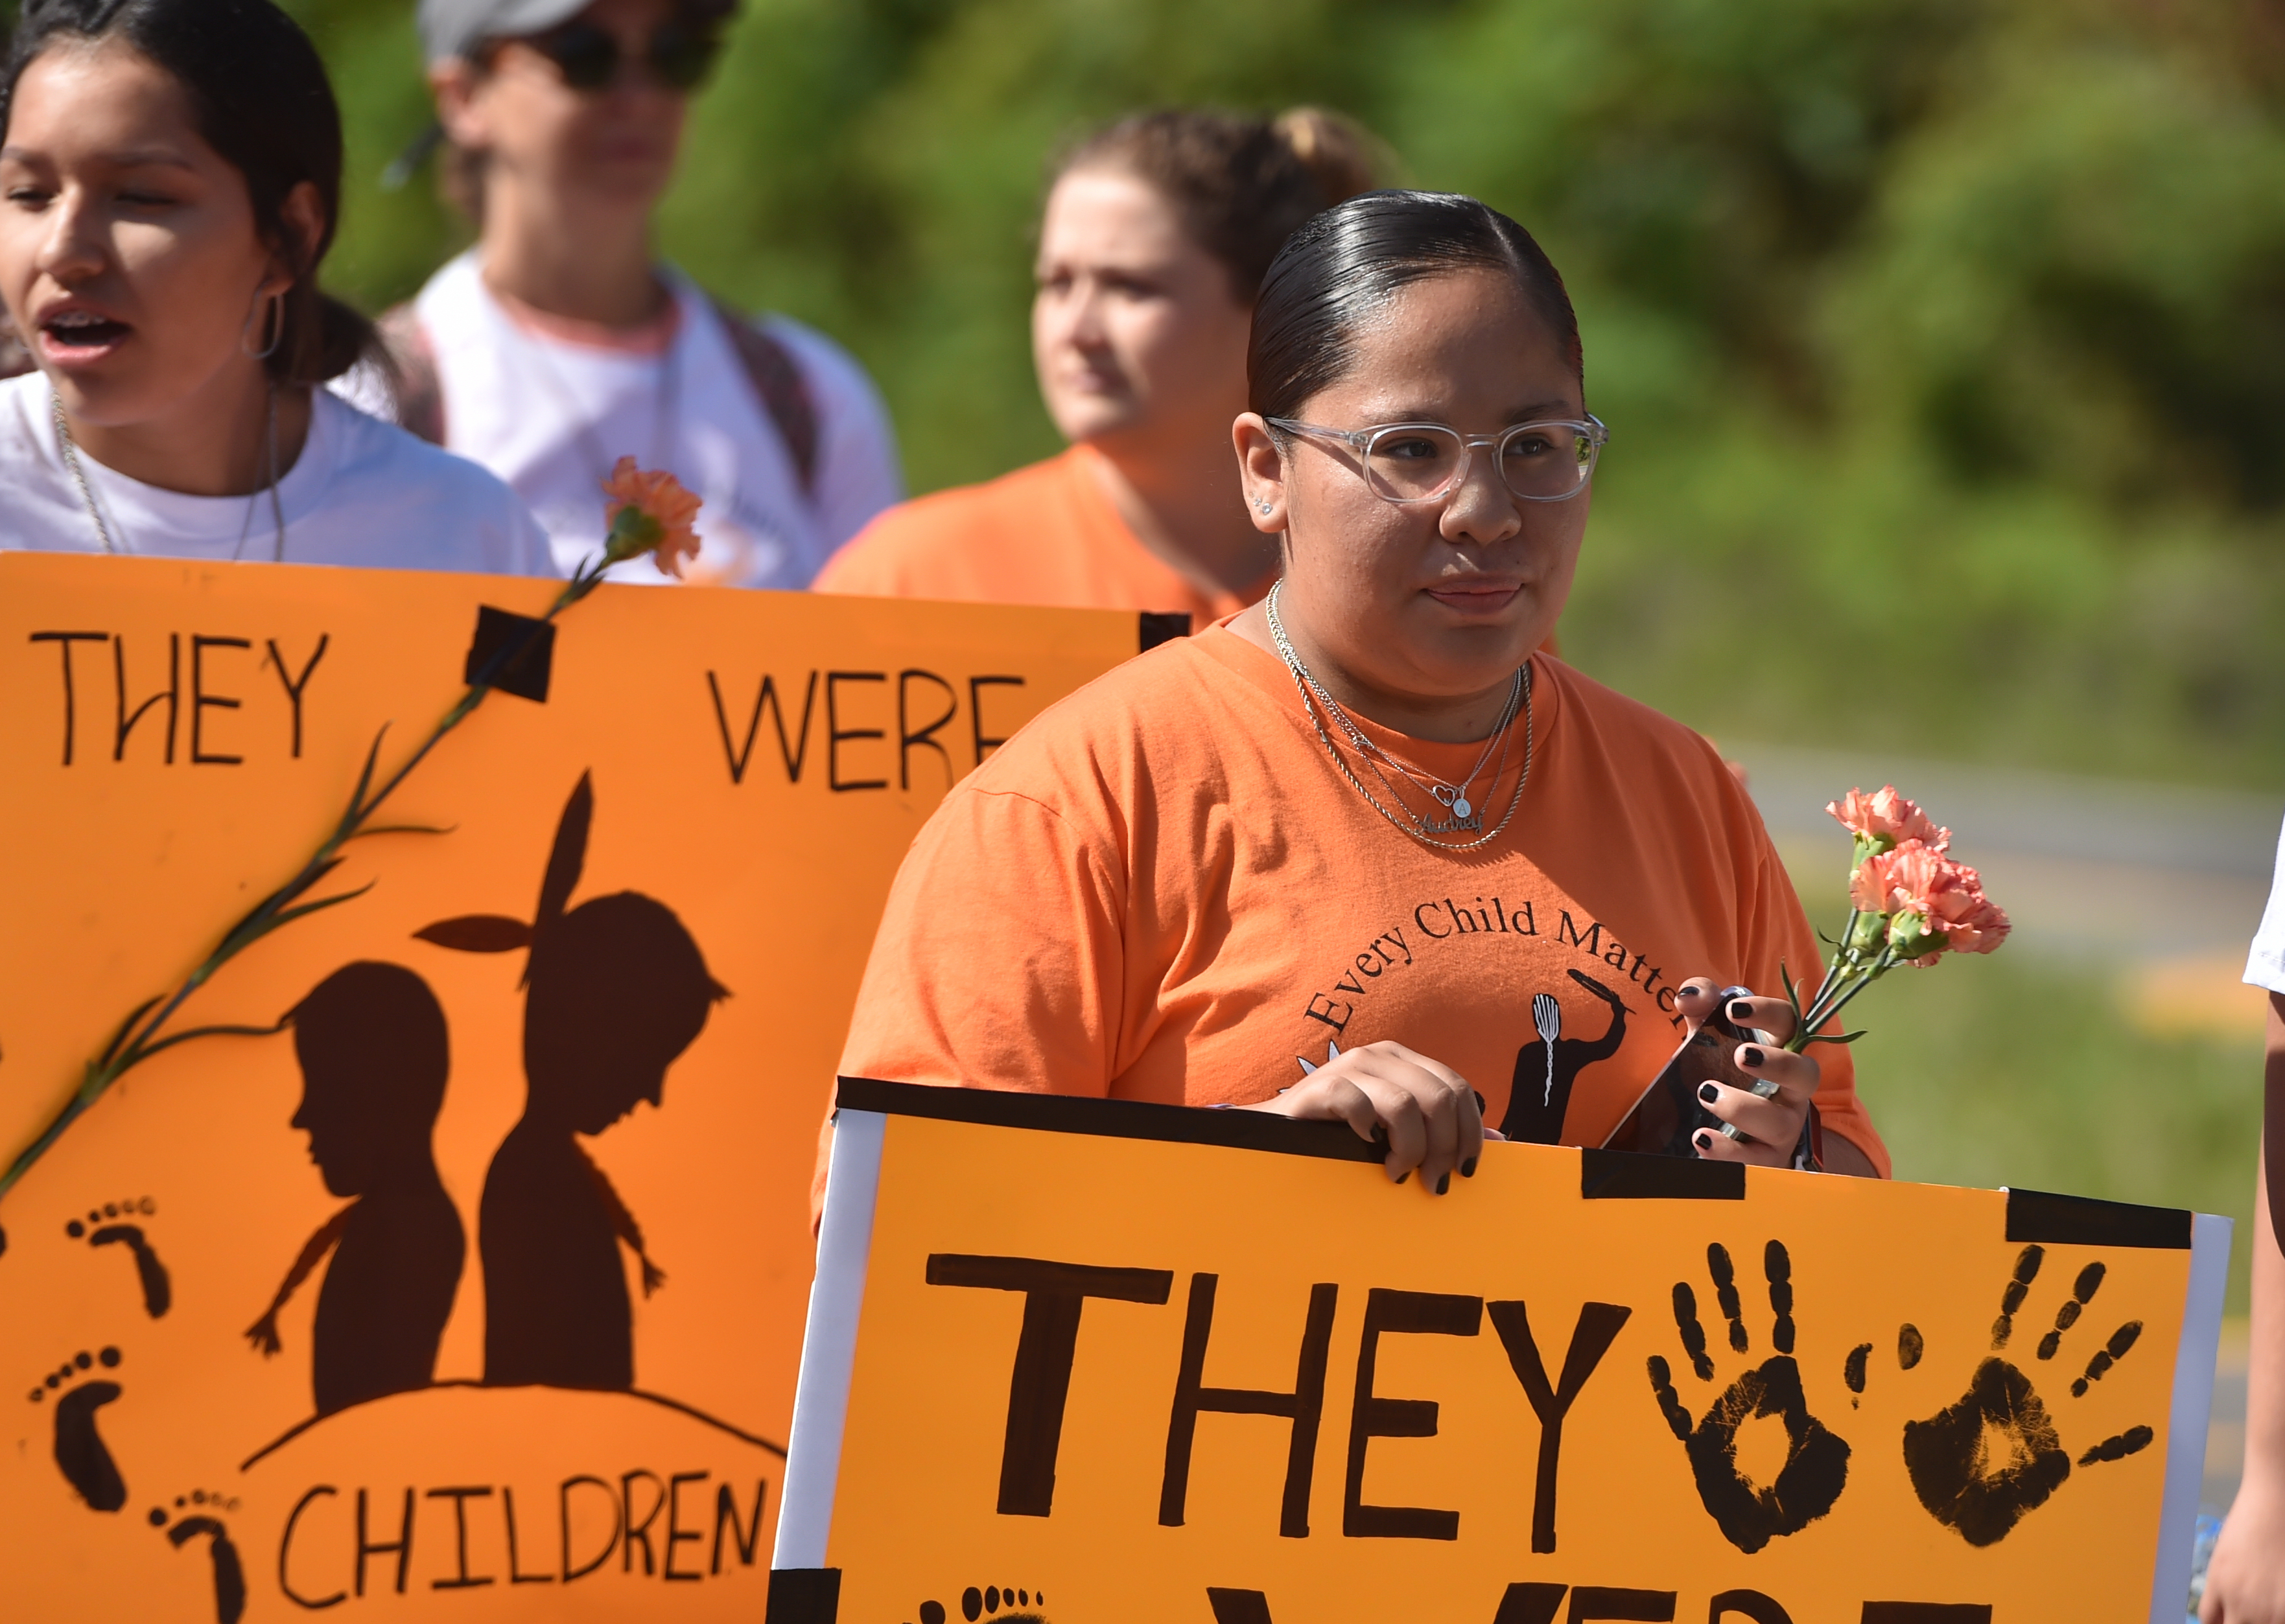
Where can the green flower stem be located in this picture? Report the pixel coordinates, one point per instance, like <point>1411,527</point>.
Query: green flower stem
<point>139,1037</point>
<point>1844,984</point>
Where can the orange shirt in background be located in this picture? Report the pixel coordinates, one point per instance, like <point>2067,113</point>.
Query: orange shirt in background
<point>1045,535</point>
<point>1163,888</point>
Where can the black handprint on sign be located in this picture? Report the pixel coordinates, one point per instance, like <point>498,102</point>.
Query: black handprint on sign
<point>1984,1464</point>
<point>1816,1469</point>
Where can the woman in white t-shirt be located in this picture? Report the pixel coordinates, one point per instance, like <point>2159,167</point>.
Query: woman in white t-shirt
<point>559,342</point>
<point>170,183</point>
<point>2246,1583</point>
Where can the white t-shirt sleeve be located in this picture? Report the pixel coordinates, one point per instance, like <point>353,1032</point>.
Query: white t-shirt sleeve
<point>365,386</point>
<point>2265,966</point>
<point>857,471</point>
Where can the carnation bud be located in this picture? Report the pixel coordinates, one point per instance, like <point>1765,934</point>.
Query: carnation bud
<point>1910,936</point>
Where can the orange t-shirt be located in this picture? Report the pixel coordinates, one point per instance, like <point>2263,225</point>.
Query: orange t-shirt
<point>1046,535</point>
<point>1163,888</point>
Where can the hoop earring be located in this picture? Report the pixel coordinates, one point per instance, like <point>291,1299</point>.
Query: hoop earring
<point>273,324</point>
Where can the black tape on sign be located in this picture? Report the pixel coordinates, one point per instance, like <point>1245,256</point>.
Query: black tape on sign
<point>1158,629</point>
<point>2081,1221</point>
<point>1621,1175</point>
<point>513,653</point>
<point>804,1596</point>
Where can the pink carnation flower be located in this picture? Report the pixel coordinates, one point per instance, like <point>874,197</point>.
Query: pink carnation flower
<point>1947,898</point>
<point>1887,816</point>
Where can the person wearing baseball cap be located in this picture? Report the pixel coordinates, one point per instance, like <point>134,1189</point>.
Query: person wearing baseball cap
<point>560,341</point>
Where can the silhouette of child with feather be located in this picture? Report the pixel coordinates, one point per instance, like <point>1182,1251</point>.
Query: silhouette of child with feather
<point>615,991</point>
<point>374,1054</point>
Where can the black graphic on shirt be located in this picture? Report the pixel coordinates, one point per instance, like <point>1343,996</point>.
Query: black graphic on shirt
<point>1546,1068</point>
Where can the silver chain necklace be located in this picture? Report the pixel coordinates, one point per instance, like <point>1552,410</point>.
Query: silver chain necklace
<point>1313,698</point>
<point>70,449</point>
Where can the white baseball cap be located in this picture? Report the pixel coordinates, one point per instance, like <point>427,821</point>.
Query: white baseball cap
<point>455,27</point>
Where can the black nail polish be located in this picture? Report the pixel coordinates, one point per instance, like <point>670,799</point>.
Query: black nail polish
<point>1444,1185</point>
<point>1468,1168</point>
<point>1741,1010</point>
<point>1703,1141</point>
<point>1753,1056</point>
<point>1709,1092</point>
<point>1403,1176</point>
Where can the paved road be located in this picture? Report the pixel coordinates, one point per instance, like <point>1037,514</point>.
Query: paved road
<point>2161,884</point>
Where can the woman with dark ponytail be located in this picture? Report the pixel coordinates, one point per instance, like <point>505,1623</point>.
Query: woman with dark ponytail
<point>169,183</point>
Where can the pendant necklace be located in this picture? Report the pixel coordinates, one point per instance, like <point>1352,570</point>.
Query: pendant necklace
<point>1454,797</point>
<point>1465,815</point>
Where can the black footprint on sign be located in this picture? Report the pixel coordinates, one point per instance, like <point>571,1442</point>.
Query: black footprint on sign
<point>102,1227</point>
<point>1984,1464</point>
<point>80,1452</point>
<point>988,1603</point>
<point>229,1573</point>
<point>1816,1469</point>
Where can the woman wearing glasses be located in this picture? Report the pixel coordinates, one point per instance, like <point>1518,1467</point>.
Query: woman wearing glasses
<point>1359,852</point>
<point>560,342</point>
<point>1152,244</point>
<point>169,177</point>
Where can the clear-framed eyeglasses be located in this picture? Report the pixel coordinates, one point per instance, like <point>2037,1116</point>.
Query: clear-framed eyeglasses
<point>1422,462</point>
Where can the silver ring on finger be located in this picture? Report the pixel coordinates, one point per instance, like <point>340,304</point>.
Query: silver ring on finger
<point>1763,1088</point>
<point>1730,1130</point>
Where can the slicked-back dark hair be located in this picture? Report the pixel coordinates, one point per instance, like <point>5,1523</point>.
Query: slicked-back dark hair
<point>1341,269</point>
<point>259,93</point>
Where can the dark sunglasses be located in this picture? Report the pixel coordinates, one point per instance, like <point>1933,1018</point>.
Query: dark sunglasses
<point>678,54</point>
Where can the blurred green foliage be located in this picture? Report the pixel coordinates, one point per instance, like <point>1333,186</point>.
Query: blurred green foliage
<point>1943,340</point>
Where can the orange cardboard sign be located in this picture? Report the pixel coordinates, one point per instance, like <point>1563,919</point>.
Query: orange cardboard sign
<point>476,1290</point>
<point>1078,1360</point>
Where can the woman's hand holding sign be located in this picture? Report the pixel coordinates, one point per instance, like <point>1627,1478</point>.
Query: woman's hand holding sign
<point>1426,1110</point>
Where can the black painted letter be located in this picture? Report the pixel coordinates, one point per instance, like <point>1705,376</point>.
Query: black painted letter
<point>402,1545</point>
<point>1304,1407</point>
<point>1409,1314</point>
<point>1054,1293</point>
<point>835,733</point>
<point>172,693</point>
<point>71,707</point>
<point>202,701</point>
<point>295,686</point>
<point>1591,1339</point>
<point>909,738</point>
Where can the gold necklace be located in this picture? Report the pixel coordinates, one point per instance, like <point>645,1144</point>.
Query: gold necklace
<point>1313,696</point>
